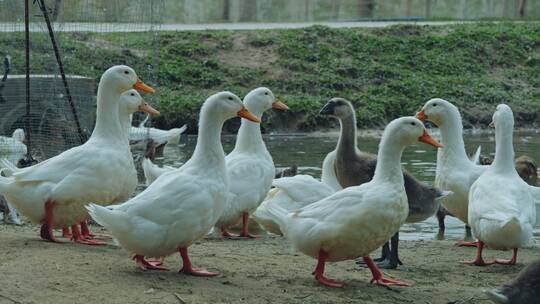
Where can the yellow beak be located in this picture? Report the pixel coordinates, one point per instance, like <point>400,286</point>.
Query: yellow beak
<point>426,138</point>
<point>279,105</point>
<point>148,109</point>
<point>143,87</point>
<point>244,113</point>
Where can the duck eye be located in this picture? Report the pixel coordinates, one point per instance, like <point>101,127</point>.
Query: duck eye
<point>265,93</point>
<point>126,72</point>
<point>413,123</point>
<point>230,98</point>
<point>132,94</point>
<point>434,104</point>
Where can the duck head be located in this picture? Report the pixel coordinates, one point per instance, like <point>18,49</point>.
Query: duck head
<point>262,99</point>
<point>338,107</point>
<point>228,105</point>
<point>131,102</point>
<point>125,78</point>
<point>408,130</point>
<point>503,118</point>
<point>438,111</point>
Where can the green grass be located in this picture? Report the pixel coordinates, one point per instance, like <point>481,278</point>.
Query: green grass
<point>392,71</point>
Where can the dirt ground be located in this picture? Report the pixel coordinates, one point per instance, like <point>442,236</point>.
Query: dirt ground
<point>265,270</point>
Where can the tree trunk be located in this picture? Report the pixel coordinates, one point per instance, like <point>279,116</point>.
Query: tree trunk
<point>408,9</point>
<point>336,5</point>
<point>365,8</point>
<point>505,8</point>
<point>56,10</point>
<point>248,10</point>
<point>428,9</point>
<point>226,10</point>
<point>306,11</point>
<point>523,8</point>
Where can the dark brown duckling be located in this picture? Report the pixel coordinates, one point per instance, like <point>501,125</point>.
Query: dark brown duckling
<point>528,170</point>
<point>524,289</point>
<point>287,172</point>
<point>352,167</point>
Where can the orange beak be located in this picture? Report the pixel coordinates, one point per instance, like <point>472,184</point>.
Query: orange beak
<point>143,87</point>
<point>148,109</point>
<point>244,113</point>
<point>426,138</point>
<point>421,115</point>
<point>279,105</point>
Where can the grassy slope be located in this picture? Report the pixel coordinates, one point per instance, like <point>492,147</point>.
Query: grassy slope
<point>391,70</point>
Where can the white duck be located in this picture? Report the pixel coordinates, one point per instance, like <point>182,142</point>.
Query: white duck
<point>502,211</point>
<point>13,148</point>
<point>355,221</point>
<point>55,191</point>
<point>182,205</point>
<point>455,171</point>
<point>160,137</point>
<point>290,193</point>
<point>249,165</point>
<point>130,102</point>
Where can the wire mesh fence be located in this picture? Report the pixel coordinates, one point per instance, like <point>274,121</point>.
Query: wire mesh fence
<point>53,125</point>
<point>60,111</point>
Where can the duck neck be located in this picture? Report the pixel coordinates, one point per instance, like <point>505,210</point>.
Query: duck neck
<point>452,139</point>
<point>504,150</point>
<point>388,166</point>
<point>107,120</point>
<point>249,135</point>
<point>209,151</point>
<point>346,147</point>
<point>125,124</point>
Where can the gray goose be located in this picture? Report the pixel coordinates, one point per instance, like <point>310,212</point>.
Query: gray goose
<point>350,167</point>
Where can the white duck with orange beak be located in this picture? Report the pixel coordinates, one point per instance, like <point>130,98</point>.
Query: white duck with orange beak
<point>249,165</point>
<point>55,191</point>
<point>183,204</point>
<point>502,211</point>
<point>355,221</point>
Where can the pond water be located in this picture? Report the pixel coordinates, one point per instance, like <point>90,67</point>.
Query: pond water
<point>307,151</point>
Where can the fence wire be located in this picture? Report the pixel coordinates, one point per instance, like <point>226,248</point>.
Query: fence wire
<point>55,115</point>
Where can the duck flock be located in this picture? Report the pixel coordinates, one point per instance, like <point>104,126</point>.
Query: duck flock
<point>359,204</point>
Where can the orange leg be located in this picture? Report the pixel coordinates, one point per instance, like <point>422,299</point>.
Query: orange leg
<point>227,234</point>
<point>378,277</point>
<point>147,265</point>
<point>478,261</point>
<point>245,227</point>
<point>79,238</point>
<point>87,234</point>
<point>85,231</point>
<point>47,225</point>
<point>66,233</point>
<point>319,272</point>
<point>466,244</point>
<point>189,269</point>
<point>512,261</point>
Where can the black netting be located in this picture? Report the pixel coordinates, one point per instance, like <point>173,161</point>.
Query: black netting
<point>62,115</point>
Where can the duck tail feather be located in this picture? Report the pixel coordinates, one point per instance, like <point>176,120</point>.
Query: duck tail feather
<point>114,220</point>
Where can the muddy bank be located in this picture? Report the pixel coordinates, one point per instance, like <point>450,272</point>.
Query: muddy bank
<point>254,271</point>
